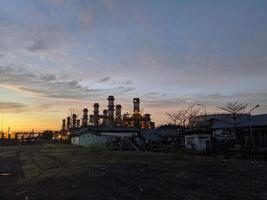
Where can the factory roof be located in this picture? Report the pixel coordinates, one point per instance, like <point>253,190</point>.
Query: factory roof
<point>99,130</point>
<point>83,132</point>
<point>245,121</point>
<point>112,129</point>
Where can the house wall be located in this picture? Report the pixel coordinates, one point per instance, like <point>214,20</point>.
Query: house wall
<point>90,139</point>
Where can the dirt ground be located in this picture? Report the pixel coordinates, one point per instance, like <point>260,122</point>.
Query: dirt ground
<point>71,172</point>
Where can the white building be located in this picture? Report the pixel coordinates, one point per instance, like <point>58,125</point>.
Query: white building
<point>198,143</point>
<point>100,135</point>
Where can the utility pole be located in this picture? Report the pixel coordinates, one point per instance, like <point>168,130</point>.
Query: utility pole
<point>2,131</point>
<point>250,127</point>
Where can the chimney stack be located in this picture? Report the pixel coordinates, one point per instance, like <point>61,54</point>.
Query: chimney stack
<point>63,124</point>
<point>74,121</point>
<point>85,117</point>
<point>136,104</point>
<point>96,114</point>
<point>68,123</point>
<point>110,110</point>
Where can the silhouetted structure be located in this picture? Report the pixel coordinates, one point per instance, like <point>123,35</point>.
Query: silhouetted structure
<point>111,117</point>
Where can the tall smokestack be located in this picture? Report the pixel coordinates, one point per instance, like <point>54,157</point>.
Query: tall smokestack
<point>110,109</point>
<point>118,116</point>
<point>68,123</point>
<point>74,121</point>
<point>136,104</point>
<point>85,117</point>
<point>96,114</point>
<point>63,124</point>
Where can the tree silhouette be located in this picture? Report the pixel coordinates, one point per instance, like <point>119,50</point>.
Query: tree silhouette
<point>236,109</point>
<point>183,117</point>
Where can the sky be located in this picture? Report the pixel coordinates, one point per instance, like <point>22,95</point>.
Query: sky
<point>57,55</point>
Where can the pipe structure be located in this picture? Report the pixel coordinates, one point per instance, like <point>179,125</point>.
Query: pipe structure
<point>85,117</point>
<point>136,106</point>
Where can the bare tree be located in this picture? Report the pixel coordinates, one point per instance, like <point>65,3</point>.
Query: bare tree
<point>236,109</point>
<point>184,117</point>
<point>178,118</point>
<point>172,119</point>
<point>193,112</point>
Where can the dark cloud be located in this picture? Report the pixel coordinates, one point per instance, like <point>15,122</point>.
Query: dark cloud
<point>152,93</point>
<point>29,90</point>
<point>124,89</point>
<point>127,82</point>
<point>104,79</point>
<point>48,77</point>
<point>36,45</point>
<point>12,107</point>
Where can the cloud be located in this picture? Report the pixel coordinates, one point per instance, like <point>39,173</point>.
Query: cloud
<point>127,82</point>
<point>105,79</point>
<point>12,107</point>
<point>36,45</point>
<point>29,90</point>
<point>48,85</point>
<point>48,77</point>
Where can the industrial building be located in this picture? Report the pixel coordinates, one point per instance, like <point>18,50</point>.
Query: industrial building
<point>110,117</point>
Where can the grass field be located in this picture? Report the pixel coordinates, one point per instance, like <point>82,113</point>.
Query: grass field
<point>72,172</point>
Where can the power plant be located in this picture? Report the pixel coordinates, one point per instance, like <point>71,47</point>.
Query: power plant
<point>110,117</point>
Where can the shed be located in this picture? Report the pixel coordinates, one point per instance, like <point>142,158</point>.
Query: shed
<point>101,135</point>
<point>88,137</point>
<point>198,143</point>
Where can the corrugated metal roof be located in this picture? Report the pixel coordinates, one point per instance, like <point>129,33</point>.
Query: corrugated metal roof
<point>246,121</point>
<point>150,135</point>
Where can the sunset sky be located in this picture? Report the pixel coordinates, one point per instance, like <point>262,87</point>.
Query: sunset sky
<point>62,54</point>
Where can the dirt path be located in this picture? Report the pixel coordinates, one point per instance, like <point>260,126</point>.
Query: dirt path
<point>67,172</point>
